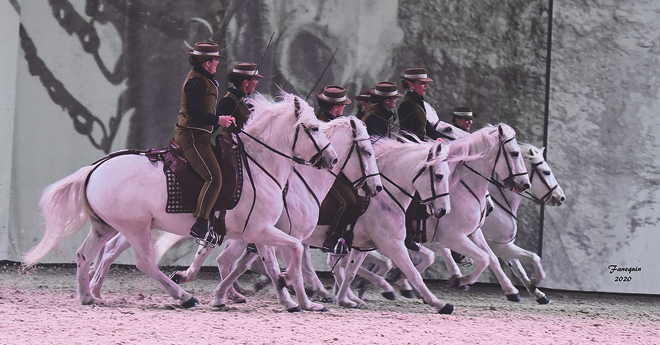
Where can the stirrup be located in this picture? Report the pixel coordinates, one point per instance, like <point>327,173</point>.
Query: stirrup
<point>340,248</point>
<point>210,240</point>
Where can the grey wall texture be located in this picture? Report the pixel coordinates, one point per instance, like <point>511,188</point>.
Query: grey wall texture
<point>96,76</point>
<point>603,145</point>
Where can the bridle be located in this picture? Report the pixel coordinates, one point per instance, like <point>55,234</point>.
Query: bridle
<point>500,153</point>
<point>434,194</point>
<point>363,164</point>
<point>551,189</point>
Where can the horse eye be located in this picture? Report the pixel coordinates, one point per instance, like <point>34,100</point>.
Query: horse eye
<point>547,173</point>
<point>314,129</point>
<point>515,154</point>
<point>448,129</point>
<point>367,153</point>
<point>439,177</point>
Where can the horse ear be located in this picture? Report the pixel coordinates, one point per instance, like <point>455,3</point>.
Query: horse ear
<point>542,151</point>
<point>438,149</point>
<point>531,152</point>
<point>501,131</point>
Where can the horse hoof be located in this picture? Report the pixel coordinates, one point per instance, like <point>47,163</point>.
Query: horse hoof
<point>514,297</point>
<point>463,287</point>
<point>192,302</point>
<point>175,277</point>
<point>324,310</point>
<point>543,300</point>
<point>407,294</point>
<point>447,309</point>
<point>356,307</point>
<point>390,296</point>
<point>295,309</point>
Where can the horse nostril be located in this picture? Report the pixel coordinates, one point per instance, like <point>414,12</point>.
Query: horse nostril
<point>562,199</point>
<point>334,161</point>
<point>526,186</point>
<point>442,213</point>
<point>379,188</point>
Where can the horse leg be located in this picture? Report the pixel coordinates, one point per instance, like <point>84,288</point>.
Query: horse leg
<point>98,235</point>
<point>378,265</point>
<point>274,237</point>
<point>140,239</point>
<point>111,251</point>
<point>386,290</point>
<point>272,268</point>
<point>234,253</point>
<point>398,253</point>
<point>512,254</point>
<point>190,274</point>
<point>510,291</point>
<point>463,245</point>
<point>511,251</point>
<point>354,260</point>
<point>310,277</point>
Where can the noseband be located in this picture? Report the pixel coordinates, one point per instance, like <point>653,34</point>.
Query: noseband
<point>546,197</point>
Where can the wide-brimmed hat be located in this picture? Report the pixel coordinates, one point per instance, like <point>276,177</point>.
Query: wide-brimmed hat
<point>364,95</point>
<point>333,94</point>
<point>464,112</point>
<point>385,89</point>
<point>205,49</point>
<point>245,69</point>
<point>415,74</point>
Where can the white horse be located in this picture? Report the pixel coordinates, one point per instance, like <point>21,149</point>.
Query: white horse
<point>127,194</point>
<point>500,227</point>
<point>306,188</point>
<point>410,166</point>
<point>406,168</point>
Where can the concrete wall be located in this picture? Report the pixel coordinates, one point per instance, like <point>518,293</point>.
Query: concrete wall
<point>603,146</point>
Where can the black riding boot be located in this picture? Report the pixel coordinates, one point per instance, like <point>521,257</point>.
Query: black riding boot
<point>200,230</point>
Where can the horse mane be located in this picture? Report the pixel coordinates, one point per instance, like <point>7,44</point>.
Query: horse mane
<point>343,123</point>
<point>265,111</point>
<point>469,148</point>
<point>404,146</point>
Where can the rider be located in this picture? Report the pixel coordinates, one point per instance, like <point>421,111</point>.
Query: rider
<point>379,117</point>
<point>197,121</point>
<point>332,100</point>
<point>413,108</point>
<point>462,118</point>
<point>244,77</point>
<point>413,121</point>
<point>364,102</point>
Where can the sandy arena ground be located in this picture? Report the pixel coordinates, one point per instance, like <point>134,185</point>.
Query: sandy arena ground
<point>39,306</point>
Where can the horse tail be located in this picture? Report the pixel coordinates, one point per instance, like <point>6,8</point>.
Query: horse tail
<point>65,209</point>
<point>165,242</point>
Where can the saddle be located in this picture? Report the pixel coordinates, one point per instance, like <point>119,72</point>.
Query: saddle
<point>189,183</point>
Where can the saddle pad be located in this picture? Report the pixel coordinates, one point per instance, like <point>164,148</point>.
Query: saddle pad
<point>175,200</point>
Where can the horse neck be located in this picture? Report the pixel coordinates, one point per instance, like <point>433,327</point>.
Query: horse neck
<point>478,182</point>
<point>389,165</point>
<point>505,197</point>
<point>276,165</point>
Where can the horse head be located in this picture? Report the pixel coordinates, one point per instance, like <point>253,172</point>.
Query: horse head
<point>432,181</point>
<point>544,185</point>
<point>509,161</point>
<point>308,140</point>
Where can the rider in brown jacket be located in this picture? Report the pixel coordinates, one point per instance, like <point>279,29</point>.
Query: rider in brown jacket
<point>197,122</point>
